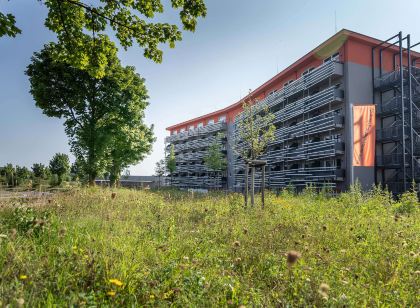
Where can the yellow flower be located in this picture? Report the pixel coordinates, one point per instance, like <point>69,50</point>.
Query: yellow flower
<point>23,277</point>
<point>111,293</point>
<point>116,282</point>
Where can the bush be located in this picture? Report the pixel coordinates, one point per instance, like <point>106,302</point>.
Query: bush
<point>409,201</point>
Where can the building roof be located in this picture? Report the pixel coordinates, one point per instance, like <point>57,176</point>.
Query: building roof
<point>322,51</point>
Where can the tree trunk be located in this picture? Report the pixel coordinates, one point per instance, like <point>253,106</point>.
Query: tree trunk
<point>263,188</point>
<point>246,185</point>
<point>252,186</point>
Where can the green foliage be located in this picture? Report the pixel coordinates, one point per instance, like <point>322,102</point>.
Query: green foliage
<point>160,168</point>
<point>409,202</point>
<point>74,22</point>
<point>23,175</point>
<point>26,220</point>
<point>214,158</point>
<point>40,171</point>
<point>169,248</point>
<point>8,172</point>
<point>103,117</point>
<point>8,25</point>
<point>60,167</point>
<point>255,130</point>
<point>171,161</point>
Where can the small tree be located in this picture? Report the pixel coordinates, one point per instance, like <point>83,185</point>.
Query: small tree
<point>160,170</point>
<point>23,175</point>
<point>171,162</point>
<point>255,132</point>
<point>9,173</point>
<point>39,171</point>
<point>60,166</point>
<point>214,158</point>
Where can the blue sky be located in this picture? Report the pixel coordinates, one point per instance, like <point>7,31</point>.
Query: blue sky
<point>238,46</point>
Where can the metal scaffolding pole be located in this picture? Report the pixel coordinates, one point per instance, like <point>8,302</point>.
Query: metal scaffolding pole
<point>402,109</point>
<point>411,105</point>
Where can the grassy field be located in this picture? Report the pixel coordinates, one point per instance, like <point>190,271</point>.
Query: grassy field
<point>92,247</point>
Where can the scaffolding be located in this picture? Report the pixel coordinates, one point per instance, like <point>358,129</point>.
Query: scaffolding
<point>309,120</point>
<point>397,97</point>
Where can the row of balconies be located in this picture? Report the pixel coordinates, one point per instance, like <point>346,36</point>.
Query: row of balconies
<point>319,124</point>
<point>307,151</point>
<point>309,104</point>
<point>197,132</point>
<point>196,144</point>
<point>318,75</point>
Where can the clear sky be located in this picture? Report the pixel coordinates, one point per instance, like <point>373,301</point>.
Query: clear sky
<point>238,46</point>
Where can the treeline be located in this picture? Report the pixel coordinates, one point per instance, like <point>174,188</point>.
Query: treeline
<point>58,171</point>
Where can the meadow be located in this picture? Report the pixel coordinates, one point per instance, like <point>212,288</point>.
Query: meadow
<point>103,247</point>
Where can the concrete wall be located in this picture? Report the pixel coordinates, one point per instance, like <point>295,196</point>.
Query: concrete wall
<point>358,91</point>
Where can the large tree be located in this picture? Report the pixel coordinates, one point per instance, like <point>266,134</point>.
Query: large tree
<point>131,141</point>
<point>97,112</point>
<point>75,21</point>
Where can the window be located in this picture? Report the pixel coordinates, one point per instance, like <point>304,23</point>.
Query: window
<point>287,83</point>
<point>334,57</point>
<point>191,127</point>
<point>306,72</point>
<point>200,125</point>
<point>211,121</point>
<point>182,130</point>
<point>272,92</point>
<point>222,119</point>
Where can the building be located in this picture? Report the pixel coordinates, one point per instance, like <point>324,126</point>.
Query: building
<point>345,111</point>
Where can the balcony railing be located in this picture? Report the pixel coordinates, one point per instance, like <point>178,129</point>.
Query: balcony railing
<point>318,75</point>
<point>197,132</point>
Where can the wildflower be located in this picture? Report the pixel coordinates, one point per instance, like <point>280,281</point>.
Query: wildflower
<point>23,277</point>
<point>20,302</point>
<point>324,287</point>
<point>238,260</point>
<point>186,258</point>
<point>236,244</point>
<point>116,282</point>
<point>245,230</point>
<point>152,296</point>
<point>292,257</point>
<point>111,293</point>
<point>412,254</point>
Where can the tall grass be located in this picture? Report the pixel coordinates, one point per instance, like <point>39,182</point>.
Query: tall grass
<point>89,247</point>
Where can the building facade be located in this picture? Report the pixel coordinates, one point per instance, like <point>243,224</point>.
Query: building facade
<point>346,111</point>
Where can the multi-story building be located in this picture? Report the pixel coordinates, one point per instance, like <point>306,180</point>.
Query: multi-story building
<point>345,111</point>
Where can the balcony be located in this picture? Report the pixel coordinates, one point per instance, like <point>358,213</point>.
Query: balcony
<point>197,132</point>
<point>309,151</point>
<point>319,124</point>
<point>320,74</point>
<point>309,104</point>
